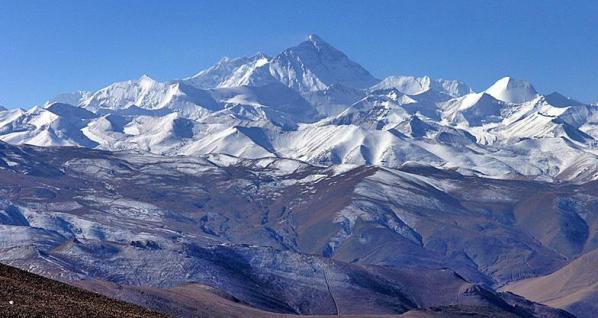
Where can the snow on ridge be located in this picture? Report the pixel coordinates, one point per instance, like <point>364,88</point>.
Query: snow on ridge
<point>511,90</point>
<point>312,103</point>
<point>412,85</point>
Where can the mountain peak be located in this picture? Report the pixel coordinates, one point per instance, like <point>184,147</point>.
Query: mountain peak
<point>412,85</point>
<point>315,42</point>
<point>145,79</point>
<point>316,65</point>
<point>261,55</point>
<point>227,71</point>
<point>315,38</point>
<point>511,90</point>
<point>559,100</point>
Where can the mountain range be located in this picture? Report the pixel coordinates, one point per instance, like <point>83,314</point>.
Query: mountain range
<point>312,103</point>
<point>302,184</point>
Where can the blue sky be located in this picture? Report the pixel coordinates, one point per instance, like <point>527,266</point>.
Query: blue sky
<point>48,47</point>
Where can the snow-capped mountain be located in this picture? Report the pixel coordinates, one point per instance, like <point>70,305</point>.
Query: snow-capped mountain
<point>513,91</point>
<point>229,72</point>
<point>311,102</point>
<point>315,65</point>
<point>73,98</point>
<point>411,85</point>
<point>301,184</point>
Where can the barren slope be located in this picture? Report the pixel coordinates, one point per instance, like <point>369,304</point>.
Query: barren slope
<point>573,287</point>
<point>35,296</point>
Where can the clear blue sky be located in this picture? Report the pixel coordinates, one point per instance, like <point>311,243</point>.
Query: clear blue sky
<point>48,47</point>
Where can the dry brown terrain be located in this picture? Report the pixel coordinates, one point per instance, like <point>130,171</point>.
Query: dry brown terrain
<point>196,300</point>
<point>368,241</point>
<point>573,287</point>
<point>35,296</point>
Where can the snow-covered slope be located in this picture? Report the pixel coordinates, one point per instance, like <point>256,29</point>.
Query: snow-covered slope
<point>315,65</point>
<point>415,85</point>
<point>511,90</point>
<point>145,92</point>
<point>311,102</point>
<point>73,98</point>
<point>229,72</point>
<point>475,109</point>
<point>303,173</point>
